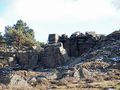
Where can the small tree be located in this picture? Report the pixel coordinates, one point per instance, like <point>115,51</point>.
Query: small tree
<point>19,35</point>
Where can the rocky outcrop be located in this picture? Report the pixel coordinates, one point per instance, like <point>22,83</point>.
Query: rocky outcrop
<point>59,48</point>
<point>79,60</point>
<point>79,43</point>
<point>54,55</point>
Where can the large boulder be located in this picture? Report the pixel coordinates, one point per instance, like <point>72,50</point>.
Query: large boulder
<point>92,34</point>
<point>84,73</point>
<point>27,60</point>
<point>54,55</point>
<point>53,38</point>
<point>5,75</point>
<point>18,82</point>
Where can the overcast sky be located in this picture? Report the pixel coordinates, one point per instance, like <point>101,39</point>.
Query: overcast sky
<point>62,16</point>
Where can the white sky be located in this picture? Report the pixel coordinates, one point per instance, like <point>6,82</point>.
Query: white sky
<point>63,16</point>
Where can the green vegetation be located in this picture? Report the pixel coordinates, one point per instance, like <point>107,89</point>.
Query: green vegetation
<point>41,44</point>
<point>19,35</point>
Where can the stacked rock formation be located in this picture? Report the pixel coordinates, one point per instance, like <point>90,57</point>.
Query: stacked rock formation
<point>79,43</point>
<point>54,53</point>
<point>59,48</point>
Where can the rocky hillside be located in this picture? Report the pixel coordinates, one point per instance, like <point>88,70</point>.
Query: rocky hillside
<point>79,62</point>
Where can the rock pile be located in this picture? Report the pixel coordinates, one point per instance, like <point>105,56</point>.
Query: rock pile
<point>108,53</point>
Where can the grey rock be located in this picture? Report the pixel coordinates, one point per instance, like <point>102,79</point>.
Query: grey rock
<point>5,75</point>
<point>54,55</point>
<point>27,60</point>
<point>37,80</point>
<point>76,74</point>
<point>79,43</point>
<point>53,38</point>
<point>18,82</point>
